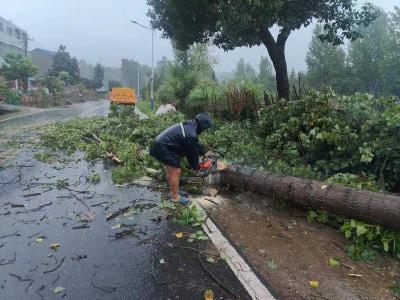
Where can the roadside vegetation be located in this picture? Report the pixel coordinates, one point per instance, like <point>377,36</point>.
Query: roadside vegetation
<point>50,89</point>
<point>338,125</point>
<point>144,107</point>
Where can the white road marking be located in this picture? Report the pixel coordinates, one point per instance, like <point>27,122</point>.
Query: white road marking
<point>238,265</point>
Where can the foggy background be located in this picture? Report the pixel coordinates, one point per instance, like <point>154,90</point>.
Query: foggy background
<point>100,31</point>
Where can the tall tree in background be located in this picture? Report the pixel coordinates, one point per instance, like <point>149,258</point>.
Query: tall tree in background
<point>237,23</point>
<point>112,84</point>
<point>16,66</point>
<point>394,50</point>
<point>62,61</point>
<point>245,71</point>
<point>326,64</point>
<point>369,57</point>
<point>189,67</point>
<point>129,73</point>
<point>265,75</point>
<point>162,72</point>
<point>98,75</point>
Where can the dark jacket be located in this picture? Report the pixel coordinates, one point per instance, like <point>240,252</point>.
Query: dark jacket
<point>178,141</point>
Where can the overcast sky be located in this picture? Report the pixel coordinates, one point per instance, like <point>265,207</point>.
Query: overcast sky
<point>99,30</point>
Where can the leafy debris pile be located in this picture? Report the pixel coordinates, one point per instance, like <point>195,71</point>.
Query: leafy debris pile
<point>122,134</point>
<point>349,140</point>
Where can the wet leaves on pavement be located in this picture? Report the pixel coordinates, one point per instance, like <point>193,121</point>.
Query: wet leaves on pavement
<point>333,262</point>
<point>211,260</point>
<point>55,246</point>
<point>179,235</point>
<point>58,290</point>
<point>272,264</point>
<point>314,284</point>
<point>39,240</point>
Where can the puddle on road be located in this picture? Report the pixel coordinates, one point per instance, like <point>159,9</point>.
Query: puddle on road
<point>90,262</point>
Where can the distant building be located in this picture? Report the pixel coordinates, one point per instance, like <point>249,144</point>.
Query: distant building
<point>43,59</point>
<point>13,39</point>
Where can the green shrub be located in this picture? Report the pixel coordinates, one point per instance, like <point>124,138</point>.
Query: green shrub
<point>166,93</point>
<point>9,96</point>
<point>357,134</point>
<point>122,133</point>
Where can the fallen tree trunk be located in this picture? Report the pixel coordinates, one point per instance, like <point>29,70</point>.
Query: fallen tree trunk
<point>371,207</point>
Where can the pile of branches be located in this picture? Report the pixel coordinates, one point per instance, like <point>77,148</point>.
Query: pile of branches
<point>122,137</point>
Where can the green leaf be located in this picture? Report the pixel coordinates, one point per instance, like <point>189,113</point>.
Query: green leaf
<point>190,240</point>
<point>361,230</point>
<point>385,245</point>
<point>353,223</point>
<point>272,264</point>
<point>333,262</point>
<point>58,290</point>
<point>211,260</point>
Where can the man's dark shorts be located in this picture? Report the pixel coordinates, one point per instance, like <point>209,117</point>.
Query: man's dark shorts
<point>165,155</point>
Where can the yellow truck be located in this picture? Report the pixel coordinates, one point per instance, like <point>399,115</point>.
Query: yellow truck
<point>122,95</point>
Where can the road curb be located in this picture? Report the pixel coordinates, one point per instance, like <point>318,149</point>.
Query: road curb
<point>253,285</point>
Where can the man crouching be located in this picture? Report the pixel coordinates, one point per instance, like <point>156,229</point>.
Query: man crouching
<point>178,141</point>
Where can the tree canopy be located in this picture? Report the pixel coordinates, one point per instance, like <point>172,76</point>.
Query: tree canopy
<point>62,61</point>
<point>236,23</point>
<point>265,75</point>
<point>18,67</point>
<point>326,63</point>
<point>371,64</point>
<point>98,75</point>
<point>188,69</point>
<point>245,71</point>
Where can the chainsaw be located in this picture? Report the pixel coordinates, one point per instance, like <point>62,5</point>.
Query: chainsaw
<point>208,166</point>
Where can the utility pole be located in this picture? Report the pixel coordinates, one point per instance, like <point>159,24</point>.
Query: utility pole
<point>152,61</point>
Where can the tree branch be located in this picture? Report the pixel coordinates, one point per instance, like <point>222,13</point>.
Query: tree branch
<point>282,37</point>
<point>267,38</point>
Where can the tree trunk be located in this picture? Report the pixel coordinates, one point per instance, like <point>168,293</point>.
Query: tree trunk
<point>276,51</point>
<point>282,79</point>
<point>371,207</point>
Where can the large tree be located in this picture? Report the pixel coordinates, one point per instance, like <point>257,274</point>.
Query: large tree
<point>265,75</point>
<point>236,23</point>
<point>98,75</point>
<point>395,49</point>
<point>371,59</point>
<point>129,73</point>
<point>187,70</point>
<point>16,66</point>
<point>162,72</point>
<point>326,64</point>
<point>62,61</point>
<point>245,71</point>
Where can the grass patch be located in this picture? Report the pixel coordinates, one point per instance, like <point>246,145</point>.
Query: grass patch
<point>144,107</point>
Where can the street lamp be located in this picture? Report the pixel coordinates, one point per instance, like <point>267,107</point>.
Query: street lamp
<point>152,61</point>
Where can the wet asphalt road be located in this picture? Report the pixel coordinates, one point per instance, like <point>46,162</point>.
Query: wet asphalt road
<point>53,203</point>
